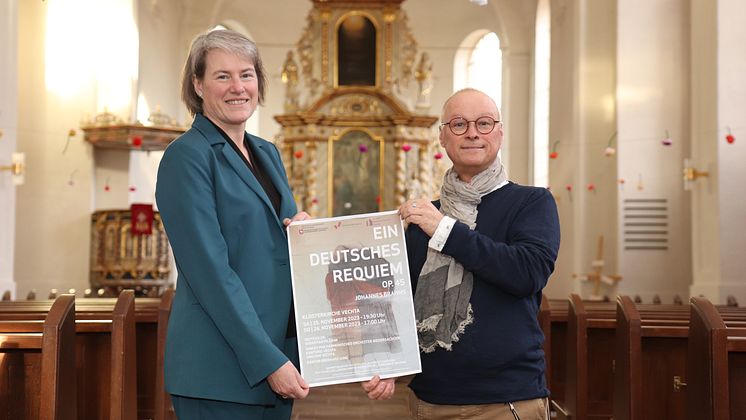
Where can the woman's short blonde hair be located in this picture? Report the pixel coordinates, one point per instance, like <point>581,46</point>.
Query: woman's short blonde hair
<point>222,39</point>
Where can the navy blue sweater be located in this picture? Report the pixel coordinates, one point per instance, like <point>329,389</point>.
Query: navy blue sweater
<point>511,253</point>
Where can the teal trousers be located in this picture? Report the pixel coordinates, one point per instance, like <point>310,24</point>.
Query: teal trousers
<point>188,408</point>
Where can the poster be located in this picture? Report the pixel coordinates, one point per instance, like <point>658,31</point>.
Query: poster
<point>353,298</point>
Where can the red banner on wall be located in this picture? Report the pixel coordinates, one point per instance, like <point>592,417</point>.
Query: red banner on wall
<point>142,219</point>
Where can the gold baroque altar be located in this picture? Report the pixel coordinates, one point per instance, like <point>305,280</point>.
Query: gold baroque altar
<point>355,135</point>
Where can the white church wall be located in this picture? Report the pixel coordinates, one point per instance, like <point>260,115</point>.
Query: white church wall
<point>704,153</point>
<point>562,105</point>
<point>582,119</point>
<point>718,201</point>
<point>53,207</point>
<point>652,99</point>
<point>8,140</point>
<point>732,171</point>
<point>595,184</point>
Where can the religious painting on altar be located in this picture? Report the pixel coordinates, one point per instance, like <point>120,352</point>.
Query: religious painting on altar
<point>356,173</point>
<point>356,51</point>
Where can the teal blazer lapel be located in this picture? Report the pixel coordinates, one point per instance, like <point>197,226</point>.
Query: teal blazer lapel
<point>238,165</point>
<point>273,167</point>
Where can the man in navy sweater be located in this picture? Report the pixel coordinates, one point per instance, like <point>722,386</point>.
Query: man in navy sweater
<point>479,258</point>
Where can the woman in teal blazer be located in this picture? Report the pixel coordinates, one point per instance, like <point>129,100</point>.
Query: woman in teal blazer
<point>224,199</point>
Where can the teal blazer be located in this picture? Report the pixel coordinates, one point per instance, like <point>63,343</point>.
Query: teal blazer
<point>229,318</point>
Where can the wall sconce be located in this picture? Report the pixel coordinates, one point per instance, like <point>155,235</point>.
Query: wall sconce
<point>16,167</point>
<point>691,174</point>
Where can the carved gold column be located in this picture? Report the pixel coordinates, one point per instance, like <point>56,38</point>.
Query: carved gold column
<point>286,153</point>
<point>401,174</point>
<point>389,16</point>
<point>325,15</point>
<point>425,170</point>
<point>311,199</point>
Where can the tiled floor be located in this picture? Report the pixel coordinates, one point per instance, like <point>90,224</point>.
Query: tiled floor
<point>349,402</point>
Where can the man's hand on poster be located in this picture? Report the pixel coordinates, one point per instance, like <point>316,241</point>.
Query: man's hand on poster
<point>379,389</point>
<point>422,213</point>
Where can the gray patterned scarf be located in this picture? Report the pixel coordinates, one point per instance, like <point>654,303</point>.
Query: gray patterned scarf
<point>441,302</point>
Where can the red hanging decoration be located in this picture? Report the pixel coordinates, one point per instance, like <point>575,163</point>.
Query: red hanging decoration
<point>438,156</point>
<point>406,147</point>
<point>554,153</point>
<point>298,154</point>
<point>591,187</point>
<point>729,138</point>
<point>362,148</point>
<point>137,141</point>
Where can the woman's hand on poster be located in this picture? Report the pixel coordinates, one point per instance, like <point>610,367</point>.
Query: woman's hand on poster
<point>422,213</point>
<point>379,389</point>
<point>297,218</point>
<point>287,382</point>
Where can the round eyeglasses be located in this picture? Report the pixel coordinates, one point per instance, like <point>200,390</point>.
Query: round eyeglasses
<point>459,126</point>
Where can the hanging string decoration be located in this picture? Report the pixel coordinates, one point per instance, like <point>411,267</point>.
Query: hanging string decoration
<point>667,141</point>
<point>610,151</point>
<point>554,153</point>
<point>70,135</point>
<point>729,137</point>
<point>71,179</point>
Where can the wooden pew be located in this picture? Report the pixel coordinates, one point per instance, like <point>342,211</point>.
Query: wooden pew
<point>588,384</point>
<point>591,327</point>
<point>557,353</point>
<point>37,372</point>
<point>651,360</point>
<point>147,315</point>
<point>588,361</point>
<point>716,365</point>
<point>163,408</point>
<point>105,344</point>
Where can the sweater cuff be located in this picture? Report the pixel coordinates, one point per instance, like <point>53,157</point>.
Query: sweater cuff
<point>438,241</point>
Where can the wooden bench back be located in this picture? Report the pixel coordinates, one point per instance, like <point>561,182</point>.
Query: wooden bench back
<point>51,394</point>
<point>716,363</point>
